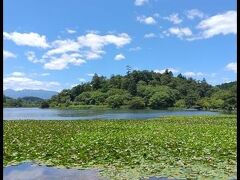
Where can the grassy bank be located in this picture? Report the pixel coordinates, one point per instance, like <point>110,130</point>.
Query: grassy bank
<point>181,147</point>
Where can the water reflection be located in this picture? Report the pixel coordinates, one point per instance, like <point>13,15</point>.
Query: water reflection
<point>28,171</point>
<point>57,114</point>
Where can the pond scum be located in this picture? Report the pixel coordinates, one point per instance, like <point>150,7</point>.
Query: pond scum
<point>202,147</point>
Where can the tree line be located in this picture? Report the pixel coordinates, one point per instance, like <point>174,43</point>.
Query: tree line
<point>28,101</point>
<point>148,89</point>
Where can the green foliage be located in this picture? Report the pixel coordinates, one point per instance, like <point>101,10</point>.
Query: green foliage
<point>191,147</point>
<point>22,102</point>
<point>115,101</point>
<point>84,98</point>
<point>158,90</point>
<point>180,103</point>
<point>161,100</point>
<point>44,104</point>
<point>136,103</point>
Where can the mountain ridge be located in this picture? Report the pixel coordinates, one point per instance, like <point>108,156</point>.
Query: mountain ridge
<point>43,94</point>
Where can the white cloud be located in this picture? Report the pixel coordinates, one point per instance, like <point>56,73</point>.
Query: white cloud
<point>94,54</point>
<point>193,74</point>
<point>90,74</point>
<point>18,74</point>
<point>173,70</point>
<point>232,67</point>
<point>63,46</point>
<point>8,54</point>
<point>225,23</point>
<point>180,32</point>
<point>65,52</point>
<point>146,20</point>
<point>150,35</point>
<point>138,48</point>
<point>174,18</point>
<point>191,14</point>
<point>119,57</point>
<point>97,42</point>
<point>82,80</point>
<point>62,62</point>
<point>19,81</point>
<point>27,39</point>
<point>71,31</point>
<point>140,2</point>
<point>31,56</point>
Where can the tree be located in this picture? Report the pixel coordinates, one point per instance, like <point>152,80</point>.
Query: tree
<point>96,82</point>
<point>115,101</point>
<point>191,98</point>
<point>156,90</point>
<point>136,103</point>
<point>84,98</point>
<point>180,103</point>
<point>97,97</point>
<point>161,100</point>
<point>44,104</point>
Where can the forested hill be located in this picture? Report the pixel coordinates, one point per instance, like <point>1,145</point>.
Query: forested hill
<point>28,101</point>
<point>141,89</point>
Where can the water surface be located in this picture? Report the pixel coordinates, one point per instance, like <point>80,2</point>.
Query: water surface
<point>29,171</point>
<point>74,114</point>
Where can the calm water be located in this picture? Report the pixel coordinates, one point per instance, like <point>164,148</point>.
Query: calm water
<point>29,171</point>
<point>57,114</point>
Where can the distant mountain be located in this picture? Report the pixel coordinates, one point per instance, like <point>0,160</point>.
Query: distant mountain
<point>43,94</point>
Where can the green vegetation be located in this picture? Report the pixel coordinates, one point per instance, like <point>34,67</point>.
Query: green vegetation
<point>147,89</point>
<point>22,102</point>
<point>44,104</point>
<point>182,147</point>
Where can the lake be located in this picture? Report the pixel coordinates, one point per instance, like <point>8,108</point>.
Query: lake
<point>74,114</point>
<point>31,171</point>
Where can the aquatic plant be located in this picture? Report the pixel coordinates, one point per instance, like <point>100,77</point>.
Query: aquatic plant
<point>201,147</point>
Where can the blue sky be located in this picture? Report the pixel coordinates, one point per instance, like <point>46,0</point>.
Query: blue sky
<point>57,44</point>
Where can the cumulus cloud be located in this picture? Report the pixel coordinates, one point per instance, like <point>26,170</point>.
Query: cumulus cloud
<point>149,35</point>
<point>146,20</point>
<point>193,74</point>
<point>193,13</point>
<point>173,70</point>
<point>180,32</point>
<point>174,18</point>
<point>62,53</point>
<point>27,39</point>
<point>232,67</point>
<point>97,54</point>
<point>19,81</point>
<point>63,46</point>
<point>97,42</point>
<point>62,62</point>
<point>140,2</point>
<point>225,23</point>
<point>31,56</point>
<point>8,54</point>
<point>119,57</point>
